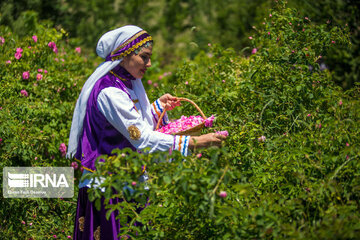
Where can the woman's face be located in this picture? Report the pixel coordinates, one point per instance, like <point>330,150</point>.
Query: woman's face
<point>137,64</point>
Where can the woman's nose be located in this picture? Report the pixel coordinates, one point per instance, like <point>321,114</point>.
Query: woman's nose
<point>148,64</point>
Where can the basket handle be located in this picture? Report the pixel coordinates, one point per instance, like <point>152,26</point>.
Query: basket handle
<point>180,99</point>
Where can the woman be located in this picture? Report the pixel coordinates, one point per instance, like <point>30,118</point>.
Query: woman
<point>113,111</point>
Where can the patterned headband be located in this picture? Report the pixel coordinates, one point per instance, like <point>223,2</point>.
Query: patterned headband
<point>132,44</point>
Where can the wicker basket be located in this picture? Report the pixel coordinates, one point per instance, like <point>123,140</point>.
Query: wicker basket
<point>194,131</point>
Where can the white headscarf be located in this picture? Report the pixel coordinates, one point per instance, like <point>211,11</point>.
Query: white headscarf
<point>107,43</point>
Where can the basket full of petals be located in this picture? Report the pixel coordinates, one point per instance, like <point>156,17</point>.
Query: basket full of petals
<point>191,125</point>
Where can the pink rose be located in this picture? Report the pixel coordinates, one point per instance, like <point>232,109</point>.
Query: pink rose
<point>309,115</point>
<point>262,139</point>
<point>78,50</point>
<point>2,41</point>
<point>34,38</point>
<point>8,62</point>
<point>74,165</point>
<point>250,38</point>
<point>25,75</point>
<point>18,55</point>
<point>24,93</point>
<point>209,121</point>
<point>347,144</point>
<point>224,133</point>
<point>149,82</point>
<point>133,183</point>
<point>223,194</point>
<point>254,51</point>
<point>198,155</point>
<point>19,50</point>
<point>39,77</point>
<point>40,70</point>
<point>51,45</point>
<point>62,149</point>
<point>340,102</point>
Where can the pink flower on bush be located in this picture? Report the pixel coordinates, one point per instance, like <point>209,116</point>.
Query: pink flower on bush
<point>149,82</point>
<point>24,93</point>
<point>199,155</point>
<point>0,140</point>
<point>250,38</point>
<point>52,45</point>
<point>18,53</point>
<point>269,33</point>
<point>209,121</point>
<point>262,139</point>
<point>25,75</point>
<point>186,83</point>
<point>223,194</point>
<point>62,149</point>
<point>78,50</point>
<point>270,15</point>
<point>309,115</point>
<point>347,144</point>
<point>340,102</point>
<point>54,236</point>
<point>254,51</point>
<point>8,62</point>
<point>23,222</point>
<point>332,42</point>
<point>2,41</point>
<point>40,70</point>
<point>133,183</point>
<point>156,84</point>
<point>74,165</point>
<point>69,237</point>
<point>39,76</point>
<point>34,38</point>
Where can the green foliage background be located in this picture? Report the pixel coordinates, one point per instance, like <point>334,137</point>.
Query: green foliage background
<point>302,182</point>
<point>183,28</point>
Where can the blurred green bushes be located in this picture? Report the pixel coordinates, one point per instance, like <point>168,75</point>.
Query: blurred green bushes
<point>184,28</point>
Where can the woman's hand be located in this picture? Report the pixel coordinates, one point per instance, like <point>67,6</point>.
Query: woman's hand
<point>169,102</point>
<point>206,140</point>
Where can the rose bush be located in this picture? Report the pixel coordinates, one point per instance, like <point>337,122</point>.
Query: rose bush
<point>38,91</point>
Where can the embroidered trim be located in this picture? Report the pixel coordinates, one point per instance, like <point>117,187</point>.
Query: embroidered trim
<point>122,79</point>
<point>134,132</point>
<point>158,114</point>
<point>81,223</point>
<point>128,41</point>
<point>130,50</point>
<point>97,233</point>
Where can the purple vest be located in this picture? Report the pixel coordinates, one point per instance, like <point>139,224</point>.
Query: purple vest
<point>99,136</point>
